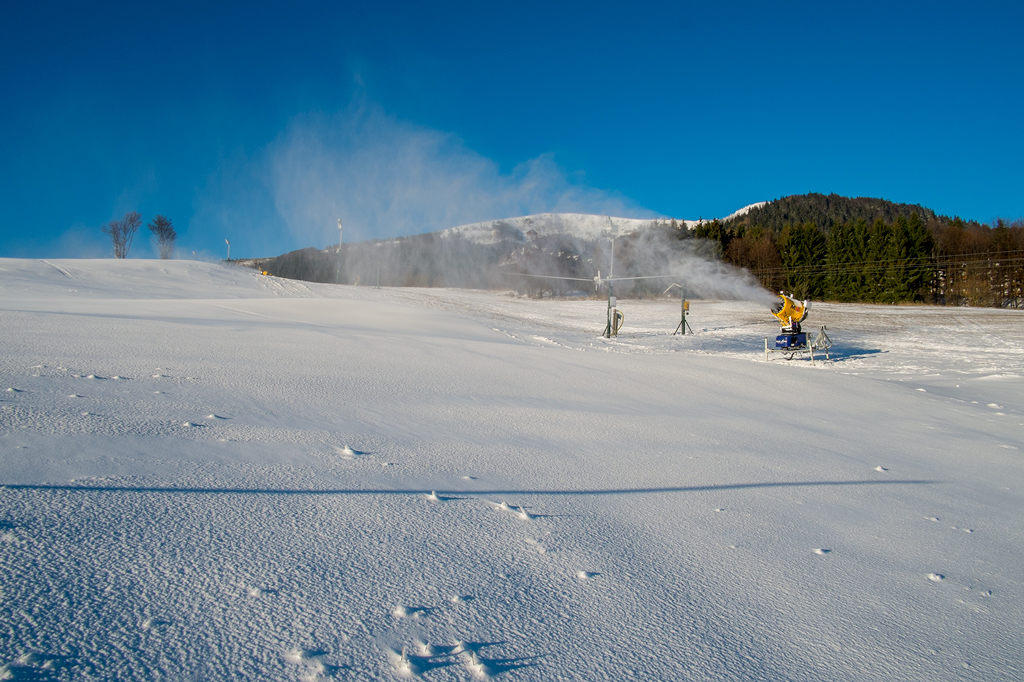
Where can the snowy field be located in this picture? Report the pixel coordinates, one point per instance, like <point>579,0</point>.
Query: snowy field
<point>206,474</point>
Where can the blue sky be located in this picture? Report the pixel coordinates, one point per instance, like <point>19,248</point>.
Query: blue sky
<point>264,123</point>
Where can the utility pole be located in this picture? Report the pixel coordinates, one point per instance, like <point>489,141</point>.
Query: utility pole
<point>341,234</point>
<point>609,329</point>
<point>378,265</point>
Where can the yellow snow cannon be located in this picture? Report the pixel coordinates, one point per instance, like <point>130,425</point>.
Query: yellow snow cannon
<point>790,312</point>
<point>792,341</point>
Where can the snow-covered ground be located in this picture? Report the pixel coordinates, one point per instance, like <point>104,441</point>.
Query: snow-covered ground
<point>210,474</point>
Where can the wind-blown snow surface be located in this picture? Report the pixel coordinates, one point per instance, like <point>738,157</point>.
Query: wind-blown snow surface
<point>209,474</point>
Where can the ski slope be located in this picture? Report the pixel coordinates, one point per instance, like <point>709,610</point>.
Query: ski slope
<point>210,474</point>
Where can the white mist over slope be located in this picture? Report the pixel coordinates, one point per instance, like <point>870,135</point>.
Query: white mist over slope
<point>654,251</point>
<point>209,474</point>
<point>385,177</point>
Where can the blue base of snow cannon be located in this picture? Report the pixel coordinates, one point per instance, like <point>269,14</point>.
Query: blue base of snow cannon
<point>784,341</point>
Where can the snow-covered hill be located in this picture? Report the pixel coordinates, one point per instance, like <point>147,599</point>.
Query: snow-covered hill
<point>580,225</point>
<point>210,474</point>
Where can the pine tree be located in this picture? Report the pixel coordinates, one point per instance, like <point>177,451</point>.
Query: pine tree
<point>896,254</point>
<point>838,285</point>
<point>813,255</point>
<point>858,253</point>
<point>874,268</point>
<point>922,271</point>
<point>803,251</point>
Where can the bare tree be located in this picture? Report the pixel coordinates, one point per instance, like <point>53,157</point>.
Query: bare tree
<point>164,234</point>
<point>122,232</point>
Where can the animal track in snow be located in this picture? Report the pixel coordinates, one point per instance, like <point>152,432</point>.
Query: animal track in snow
<point>880,468</point>
<point>822,552</point>
<point>586,575</point>
<point>936,577</point>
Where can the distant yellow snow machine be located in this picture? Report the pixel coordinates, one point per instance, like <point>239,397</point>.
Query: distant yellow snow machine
<point>790,313</point>
<point>792,340</point>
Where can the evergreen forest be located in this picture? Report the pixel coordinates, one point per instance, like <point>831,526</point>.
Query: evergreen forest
<point>870,250</point>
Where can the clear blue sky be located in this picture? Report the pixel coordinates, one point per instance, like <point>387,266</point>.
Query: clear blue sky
<point>262,123</point>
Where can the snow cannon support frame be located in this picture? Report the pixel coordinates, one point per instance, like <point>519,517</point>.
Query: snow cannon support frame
<point>818,341</point>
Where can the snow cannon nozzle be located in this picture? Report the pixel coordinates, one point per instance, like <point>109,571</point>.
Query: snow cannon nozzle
<point>790,312</point>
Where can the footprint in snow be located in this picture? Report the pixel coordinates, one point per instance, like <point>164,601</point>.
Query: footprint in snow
<point>216,416</point>
<point>586,575</point>
<point>348,452</point>
<point>404,664</point>
<point>413,612</point>
<point>475,665</point>
<point>30,666</point>
<point>311,663</point>
<point>936,577</point>
<point>536,545</point>
<point>822,552</point>
<point>519,512</point>
<point>154,623</point>
<point>14,390</point>
<point>880,468</point>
